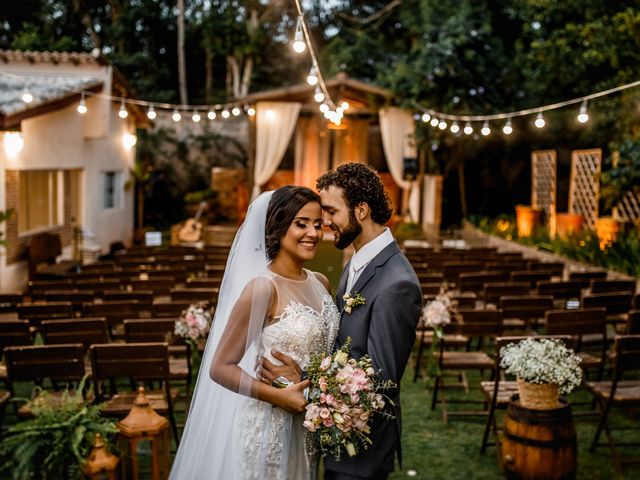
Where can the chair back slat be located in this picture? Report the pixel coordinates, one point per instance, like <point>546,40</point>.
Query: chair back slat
<point>525,306</point>
<point>627,352</point>
<point>115,312</point>
<point>82,330</point>
<point>493,291</point>
<point>600,274</point>
<point>561,289</point>
<point>576,322</point>
<point>57,362</point>
<point>140,361</point>
<point>169,309</point>
<point>615,302</point>
<point>606,286</point>
<point>479,323</point>
<point>193,294</point>
<point>36,312</point>
<point>142,296</point>
<point>13,333</point>
<point>149,330</point>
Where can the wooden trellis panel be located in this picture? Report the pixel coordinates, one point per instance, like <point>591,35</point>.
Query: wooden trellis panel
<point>584,190</point>
<point>629,207</point>
<point>543,183</point>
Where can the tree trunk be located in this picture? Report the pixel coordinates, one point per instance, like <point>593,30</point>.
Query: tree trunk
<point>182,73</point>
<point>462,188</point>
<point>246,77</point>
<point>208,79</point>
<point>235,76</point>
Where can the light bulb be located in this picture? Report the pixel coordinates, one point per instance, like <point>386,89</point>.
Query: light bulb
<point>583,116</point>
<point>235,111</point>
<point>298,39</point>
<point>312,78</point>
<point>442,125</point>
<point>129,140</point>
<point>426,117</point>
<point>339,111</point>
<point>82,106</point>
<point>123,111</point>
<point>507,129</point>
<point>318,96</point>
<point>485,129</point>
<point>324,107</point>
<point>151,113</point>
<point>211,115</point>
<point>468,129</point>
<point>196,116</point>
<point>455,128</point>
<point>26,96</point>
<point>434,122</point>
<point>176,116</point>
<point>225,113</point>
<point>251,111</point>
<point>540,120</point>
<point>13,143</point>
<point>345,105</point>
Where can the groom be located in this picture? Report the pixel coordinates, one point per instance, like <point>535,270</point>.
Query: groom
<point>356,207</point>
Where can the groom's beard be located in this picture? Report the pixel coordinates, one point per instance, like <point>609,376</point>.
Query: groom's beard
<point>349,233</point>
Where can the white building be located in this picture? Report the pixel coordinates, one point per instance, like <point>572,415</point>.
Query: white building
<point>57,165</point>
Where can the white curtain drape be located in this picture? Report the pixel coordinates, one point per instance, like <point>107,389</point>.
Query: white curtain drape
<point>275,123</point>
<point>397,129</point>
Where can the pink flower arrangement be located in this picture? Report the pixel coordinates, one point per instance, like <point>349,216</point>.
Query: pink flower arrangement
<point>343,400</point>
<point>194,322</point>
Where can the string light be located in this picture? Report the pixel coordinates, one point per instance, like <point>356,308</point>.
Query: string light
<point>211,115</point>
<point>235,111</point>
<point>26,96</point>
<point>196,116</point>
<point>485,129</point>
<point>540,120</point>
<point>225,113</point>
<point>507,129</point>
<point>468,129</point>
<point>455,128</point>
<point>318,96</point>
<point>324,107</point>
<point>151,113</point>
<point>299,44</point>
<point>129,140</point>
<point>176,116</point>
<point>82,106</point>
<point>345,105</point>
<point>426,117</point>
<point>583,116</point>
<point>442,125</point>
<point>251,111</point>
<point>434,122</point>
<point>123,111</point>
<point>312,78</point>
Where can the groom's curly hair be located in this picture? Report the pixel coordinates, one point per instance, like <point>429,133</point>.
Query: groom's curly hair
<point>285,203</point>
<point>359,183</point>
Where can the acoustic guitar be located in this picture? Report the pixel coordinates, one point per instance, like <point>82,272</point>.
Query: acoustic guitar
<point>191,231</point>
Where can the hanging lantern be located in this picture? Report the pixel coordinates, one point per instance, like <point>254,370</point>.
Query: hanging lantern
<point>101,465</point>
<point>141,427</point>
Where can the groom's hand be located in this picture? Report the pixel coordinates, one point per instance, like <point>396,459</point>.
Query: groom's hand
<point>289,368</point>
<point>292,398</point>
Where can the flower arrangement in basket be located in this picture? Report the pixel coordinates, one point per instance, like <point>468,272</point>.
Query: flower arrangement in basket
<point>544,368</point>
<point>194,323</point>
<point>343,400</point>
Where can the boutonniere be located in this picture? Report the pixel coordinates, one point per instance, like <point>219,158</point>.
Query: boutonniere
<point>352,301</point>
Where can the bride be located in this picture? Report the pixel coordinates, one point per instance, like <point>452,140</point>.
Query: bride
<point>239,427</point>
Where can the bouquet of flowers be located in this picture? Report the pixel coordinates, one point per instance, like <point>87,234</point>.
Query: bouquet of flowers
<point>543,361</point>
<point>343,400</point>
<point>437,313</point>
<point>194,322</point>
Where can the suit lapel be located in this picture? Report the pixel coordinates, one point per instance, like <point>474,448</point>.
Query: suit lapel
<point>342,286</point>
<point>370,270</point>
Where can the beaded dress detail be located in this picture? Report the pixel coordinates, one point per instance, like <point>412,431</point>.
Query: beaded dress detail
<point>270,442</point>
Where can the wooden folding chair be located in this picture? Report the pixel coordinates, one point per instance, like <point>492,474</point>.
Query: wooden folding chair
<point>154,330</point>
<point>169,309</point>
<point>608,286</point>
<point>452,270</point>
<point>158,285</point>
<point>556,268</point>
<point>13,333</point>
<point>139,362</point>
<point>9,301</point>
<point>98,286</point>
<point>579,323</point>
<point>115,313</point>
<point>616,303</point>
<point>475,281</point>
<point>143,297</point>
<point>480,324</point>
<point>524,311</point>
<point>562,290</point>
<point>530,276</point>
<point>41,286</point>
<point>86,331</point>
<point>35,363</point>
<point>594,274</point>
<point>193,295</point>
<point>213,284</point>
<point>494,290</point>
<point>619,391</point>
<point>75,297</point>
<point>38,311</point>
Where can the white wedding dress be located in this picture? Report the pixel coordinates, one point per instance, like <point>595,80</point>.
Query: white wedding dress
<point>268,441</point>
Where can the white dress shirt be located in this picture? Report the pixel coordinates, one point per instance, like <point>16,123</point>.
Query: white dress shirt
<point>363,257</point>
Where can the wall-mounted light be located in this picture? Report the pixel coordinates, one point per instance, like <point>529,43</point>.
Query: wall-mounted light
<point>129,140</point>
<point>82,106</point>
<point>13,143</point>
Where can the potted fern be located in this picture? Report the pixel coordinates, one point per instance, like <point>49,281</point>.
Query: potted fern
<point>56,442</point>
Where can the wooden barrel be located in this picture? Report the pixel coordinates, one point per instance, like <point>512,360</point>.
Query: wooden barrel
<point>539,444</point>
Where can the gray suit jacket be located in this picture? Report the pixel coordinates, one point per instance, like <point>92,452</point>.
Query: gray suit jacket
<point>384,328</point>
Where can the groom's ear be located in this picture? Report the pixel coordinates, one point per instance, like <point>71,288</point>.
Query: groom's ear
<point>362,211</point>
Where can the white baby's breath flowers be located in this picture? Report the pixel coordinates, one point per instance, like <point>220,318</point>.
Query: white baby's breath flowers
<point>543,361</point>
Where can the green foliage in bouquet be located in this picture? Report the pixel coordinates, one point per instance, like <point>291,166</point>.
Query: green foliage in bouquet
<point>56,442</point>
<point>343,400</point>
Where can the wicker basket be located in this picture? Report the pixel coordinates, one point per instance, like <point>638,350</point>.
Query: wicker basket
<point>536,396</point>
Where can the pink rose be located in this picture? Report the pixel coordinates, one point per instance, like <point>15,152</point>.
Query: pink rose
<point>328,422</point>
<point>322,383</point>
<point>325,413</point>
<point>310,426</point>
<point>330,400</point>
<point>325,364</point>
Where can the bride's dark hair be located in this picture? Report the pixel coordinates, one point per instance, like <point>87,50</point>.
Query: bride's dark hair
<point>283,206</point>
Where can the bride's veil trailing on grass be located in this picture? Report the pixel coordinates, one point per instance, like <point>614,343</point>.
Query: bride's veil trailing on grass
<point>206,448</point>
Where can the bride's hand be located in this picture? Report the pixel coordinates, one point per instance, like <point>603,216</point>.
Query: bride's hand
<point>289,368</point>
<point>292,398</point>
